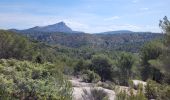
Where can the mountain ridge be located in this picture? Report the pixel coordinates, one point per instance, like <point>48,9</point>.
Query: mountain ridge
<point>58,27</point>
<point>115,32</point>
<point>115,40</point>
<point>61,27</point>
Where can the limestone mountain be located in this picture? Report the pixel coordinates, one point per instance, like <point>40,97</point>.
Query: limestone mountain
<point>58,27</point>
<point>61,34</point>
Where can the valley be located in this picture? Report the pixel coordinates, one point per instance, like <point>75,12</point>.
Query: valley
<point>56,63</point>
<point>116,40</point>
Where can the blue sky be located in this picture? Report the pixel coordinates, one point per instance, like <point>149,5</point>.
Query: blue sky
<point>85,15</point>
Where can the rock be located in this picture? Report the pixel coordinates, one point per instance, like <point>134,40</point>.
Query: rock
<point>137,82</point>
<point>79,88</point>
<point>78,92</point>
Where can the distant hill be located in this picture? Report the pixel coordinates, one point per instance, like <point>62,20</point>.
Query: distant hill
<point>58,27</point>
<point>116,32</point>
<point>122,32</point>
<point>61,34</point>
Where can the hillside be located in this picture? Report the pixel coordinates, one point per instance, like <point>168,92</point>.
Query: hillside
<point>58,27</point>
<point>84,50</point>
<point>116,32</point>
<point>116,40</point>
<point>41,66</point>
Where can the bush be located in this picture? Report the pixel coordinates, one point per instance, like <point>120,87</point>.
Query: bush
<point>80,66</point>
<point>125,63</point>
<point>164,92</point>
<point>157,91</point>
<point>124,95</point>
<point>151,89</point>
<point>23,80</point>
<point>102,66</point>
<point>14,46</point>
<point>90,76</point>
<point>95,94</point>
<point>107,85</point>
<point>151,51</point>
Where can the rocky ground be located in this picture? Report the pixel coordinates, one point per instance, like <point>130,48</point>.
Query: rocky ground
<point>79,87</point>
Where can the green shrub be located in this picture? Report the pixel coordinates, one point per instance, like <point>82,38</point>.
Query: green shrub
<point>124,63</point>
<point>107,85</point>
<point>157,91</point>
<point>90,76</point>
<point>164,92</point>
<point>23,80</point>
<point>95,94</point>
<point>129,95</point>
<point>151,89</point>
<point>101,65</point>
<point>80,66</point>
<point>122,95</point>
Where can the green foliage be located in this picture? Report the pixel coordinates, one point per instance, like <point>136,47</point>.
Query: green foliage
<point>151,51</point>
<point>165,58</point>
<point>151,90</point>
<point>81,66</point>
<point>107,85</point>
<point>97,61</point>
<point>102,66</point>
<point>157,91</point>
<point>123,95</point>
<point>156,57</point>
<point>15,46</point>
<point>23,80</point>
<point>165,25</point>
<point>125,62</point>
<point>129,42</point>
<point>39,59</point>
<point>90,76</point>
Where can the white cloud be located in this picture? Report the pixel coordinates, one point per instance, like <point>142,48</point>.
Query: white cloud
<point>125,27</point>
<point>144,9</point>
<point>77,26</point>
<point>135,28</point>
<point>112,18</point>
<point>152,28</point>
<point>23,20</point>
<point>135,1</point>
<point>104,28</point>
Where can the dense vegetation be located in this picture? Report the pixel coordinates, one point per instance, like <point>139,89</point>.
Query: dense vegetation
<point>130,42</point>
<point>32,69</point>
<point>30,81</point>
<point>35,78</point>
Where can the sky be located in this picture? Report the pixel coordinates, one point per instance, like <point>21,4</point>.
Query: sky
<point>91,16</point>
